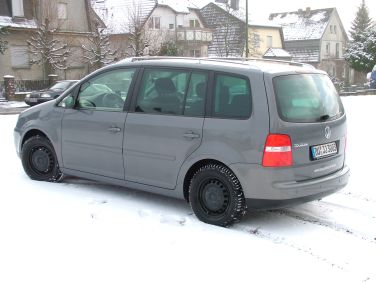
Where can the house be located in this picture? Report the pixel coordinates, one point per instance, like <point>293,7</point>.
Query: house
<point>70,21</point>
<point>265,37</point>
<point>164,21</point>
<point>316,37</point>
<point>229,29</point>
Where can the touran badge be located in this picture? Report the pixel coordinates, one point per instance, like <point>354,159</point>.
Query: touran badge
<point>328,132</point>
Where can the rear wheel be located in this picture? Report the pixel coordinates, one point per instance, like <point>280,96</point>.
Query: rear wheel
<point>39,160</point>
<point>216,196</point>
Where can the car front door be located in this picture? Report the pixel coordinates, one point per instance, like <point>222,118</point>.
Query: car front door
<point>93,130</point>
<point>165,126</point>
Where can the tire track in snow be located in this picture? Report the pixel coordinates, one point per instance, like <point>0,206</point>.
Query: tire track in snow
<point>259,233</point>
<point>324,223</point>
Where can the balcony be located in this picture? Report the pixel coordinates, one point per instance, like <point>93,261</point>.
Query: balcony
<point>194,34</point>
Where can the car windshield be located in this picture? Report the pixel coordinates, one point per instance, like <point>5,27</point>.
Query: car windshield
<point>61,85</point>
<point>307,98</point>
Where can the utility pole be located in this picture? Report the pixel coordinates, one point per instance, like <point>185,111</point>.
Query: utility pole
<point>246,30</point>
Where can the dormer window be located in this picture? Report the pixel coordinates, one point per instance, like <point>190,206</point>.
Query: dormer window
<point>17,8</point>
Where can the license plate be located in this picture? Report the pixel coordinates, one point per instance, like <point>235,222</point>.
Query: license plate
<point>33,100</point>
<point>325,150</point>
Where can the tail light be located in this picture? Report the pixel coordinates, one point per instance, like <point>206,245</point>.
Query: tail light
<point>277,151</point>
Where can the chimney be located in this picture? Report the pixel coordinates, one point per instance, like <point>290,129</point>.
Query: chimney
<point>308,11</point>
<point>17,8</point>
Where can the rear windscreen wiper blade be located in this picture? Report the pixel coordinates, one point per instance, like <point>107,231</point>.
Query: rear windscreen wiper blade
<point>324,118</point>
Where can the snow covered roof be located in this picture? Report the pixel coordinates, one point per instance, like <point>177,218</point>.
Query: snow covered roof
<point>17,22</point>
<point>116,13</point>
<point>303,24</point>
<point>276,53</point>
<point>305,54</point>
<point>179,6</point>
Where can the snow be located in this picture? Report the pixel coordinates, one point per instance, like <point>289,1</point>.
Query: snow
<point>301,25</point>
<point>81,230</point>
<point>19,23</point>
<point>276,52</point>
<point>179,6</point>
<point>12,104</point>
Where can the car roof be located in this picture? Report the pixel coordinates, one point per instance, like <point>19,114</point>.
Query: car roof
<point>221,64</point>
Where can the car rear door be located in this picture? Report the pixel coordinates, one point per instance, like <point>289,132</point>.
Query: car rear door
<point>165,126</point>
<point>93,130</point>
<point>307,108</point>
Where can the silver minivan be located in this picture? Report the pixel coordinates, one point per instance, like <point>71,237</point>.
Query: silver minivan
<point>226,136</point>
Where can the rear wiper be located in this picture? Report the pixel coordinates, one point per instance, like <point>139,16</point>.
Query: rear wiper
<point>323,118</point>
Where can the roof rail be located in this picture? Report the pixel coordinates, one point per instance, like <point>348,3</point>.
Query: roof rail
<point>263,60</point>
<point>238,60</point>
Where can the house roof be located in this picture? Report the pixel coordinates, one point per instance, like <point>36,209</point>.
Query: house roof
<point>116,13</point>
<point>305,54</point>
<point>17,22</point>
<point>277,52</point>
<point>179,6</point>
<point>303,24</point>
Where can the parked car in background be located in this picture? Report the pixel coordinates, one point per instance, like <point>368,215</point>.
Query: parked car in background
<point>224,135</point>
<point>373,78</point>
<point>48,94</point>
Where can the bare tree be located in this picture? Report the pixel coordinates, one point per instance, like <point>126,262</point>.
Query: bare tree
<point>99,53</point>
<point>3,42</point>
<point>145,36</point>
<point>46,50</point>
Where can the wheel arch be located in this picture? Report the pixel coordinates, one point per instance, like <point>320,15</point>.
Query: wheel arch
<point>193,168</point>
<point>30,133</point>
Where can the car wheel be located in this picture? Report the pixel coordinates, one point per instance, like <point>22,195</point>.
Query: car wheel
<point>39,160</point>
<point>216,196</point>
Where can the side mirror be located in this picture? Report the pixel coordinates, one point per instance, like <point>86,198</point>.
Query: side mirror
<point>67,102</point>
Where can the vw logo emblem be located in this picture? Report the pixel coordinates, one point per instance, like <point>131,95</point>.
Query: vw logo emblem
<point>328,132</point>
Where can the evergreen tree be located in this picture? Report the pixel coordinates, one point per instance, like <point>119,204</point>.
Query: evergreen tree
<point>98,52</point>
<point>47,51</point>
<point>3,43</point>
<point>361,54</point>
<point>361,23</point>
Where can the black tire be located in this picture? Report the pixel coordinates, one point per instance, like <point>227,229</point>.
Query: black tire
<point>39,160</point>
<point>216,196</point>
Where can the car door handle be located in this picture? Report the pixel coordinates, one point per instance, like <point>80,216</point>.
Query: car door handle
<point>191,135</point>
<point>114,129</point>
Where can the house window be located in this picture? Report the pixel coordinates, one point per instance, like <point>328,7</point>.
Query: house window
<point>337,50</point>
<point>195,53</point>
<point>62,11</point>
<point>20,57</point>
<point>171,26</point>
<point>194,23</point>
<point>17,8</point>
<point>327,48</point>
<point>256,40</point>
<point>331,29</point>
<point>269,41</point>
<point>155,23</point>
<point>335,29</point>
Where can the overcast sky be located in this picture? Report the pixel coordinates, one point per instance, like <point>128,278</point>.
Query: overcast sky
<point>260,9</point>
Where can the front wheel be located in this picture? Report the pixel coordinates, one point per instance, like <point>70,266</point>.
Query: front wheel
<point>39,160</point>
<point>216,196</point>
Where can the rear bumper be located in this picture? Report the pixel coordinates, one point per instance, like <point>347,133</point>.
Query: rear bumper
<point>266,189</point>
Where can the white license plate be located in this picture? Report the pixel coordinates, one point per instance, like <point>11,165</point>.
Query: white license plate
<point>33,100</point>
<point>325,150</point>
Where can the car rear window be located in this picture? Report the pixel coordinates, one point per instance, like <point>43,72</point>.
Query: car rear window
<point>307,98</point>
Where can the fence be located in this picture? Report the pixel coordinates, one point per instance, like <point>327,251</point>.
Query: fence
<point>30,85</point>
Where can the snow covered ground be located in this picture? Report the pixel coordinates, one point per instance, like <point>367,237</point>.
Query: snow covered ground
<point>85,231</point>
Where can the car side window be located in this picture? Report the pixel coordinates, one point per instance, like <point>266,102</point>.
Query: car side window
<point>195,100</point>
<point>162,91</point>
<point>232,97</point>
<point>106,92</point>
